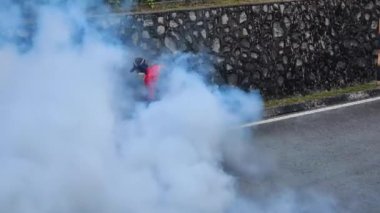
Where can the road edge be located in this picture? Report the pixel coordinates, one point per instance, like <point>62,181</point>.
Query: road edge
<point>317,104</point>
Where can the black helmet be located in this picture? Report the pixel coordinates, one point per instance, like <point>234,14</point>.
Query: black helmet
<point>140,65</point>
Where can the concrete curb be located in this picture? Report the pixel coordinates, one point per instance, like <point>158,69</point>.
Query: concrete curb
<point>316,104</point>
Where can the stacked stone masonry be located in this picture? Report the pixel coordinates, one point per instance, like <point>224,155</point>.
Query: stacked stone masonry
<point>280,48</point>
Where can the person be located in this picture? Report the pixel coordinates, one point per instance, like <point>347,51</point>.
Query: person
<point>150,76</point>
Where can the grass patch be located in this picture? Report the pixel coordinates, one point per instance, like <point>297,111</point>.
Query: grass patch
<point>173,6</point>
<point>319,95</point>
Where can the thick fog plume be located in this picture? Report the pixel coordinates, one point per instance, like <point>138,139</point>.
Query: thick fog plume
<point>74,139</point>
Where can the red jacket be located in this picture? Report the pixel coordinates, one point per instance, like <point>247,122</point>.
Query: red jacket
<point>150,80</point>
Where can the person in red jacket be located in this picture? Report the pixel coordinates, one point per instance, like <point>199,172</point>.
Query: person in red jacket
<point>150,73</point>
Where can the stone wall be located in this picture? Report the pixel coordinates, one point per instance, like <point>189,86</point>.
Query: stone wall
<point>282,49</point>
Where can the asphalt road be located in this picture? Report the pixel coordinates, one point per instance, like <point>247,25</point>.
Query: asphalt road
<point>336,153</point>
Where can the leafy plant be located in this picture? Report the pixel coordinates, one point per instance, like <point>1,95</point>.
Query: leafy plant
<point>150,3</point>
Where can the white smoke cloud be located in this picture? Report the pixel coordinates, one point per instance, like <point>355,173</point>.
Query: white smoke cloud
<point>65,146</point>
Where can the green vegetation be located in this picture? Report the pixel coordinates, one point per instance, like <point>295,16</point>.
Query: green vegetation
<point>150,3</point>
<point>319,95</point>
<point>154,5</point>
